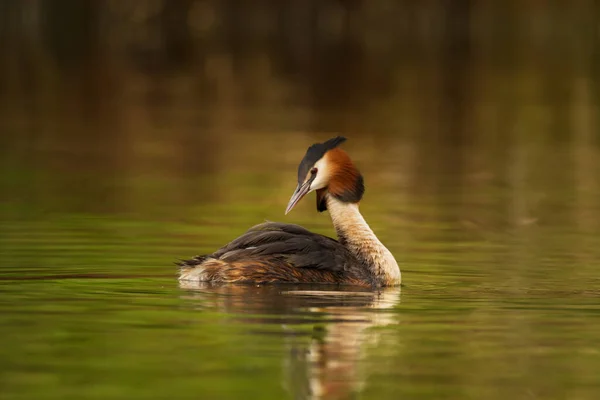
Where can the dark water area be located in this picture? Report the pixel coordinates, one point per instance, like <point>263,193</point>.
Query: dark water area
<point>132,135</point>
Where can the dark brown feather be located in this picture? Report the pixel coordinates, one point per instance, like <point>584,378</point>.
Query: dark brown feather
<point>321,200</point>
<point>315,153</point>
<point>285,253</point>
<point>347,183</point>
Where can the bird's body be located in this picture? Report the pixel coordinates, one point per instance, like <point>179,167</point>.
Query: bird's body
<point>275,252</point>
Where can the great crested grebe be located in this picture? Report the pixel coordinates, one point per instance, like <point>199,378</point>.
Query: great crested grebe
<point>274,252</point>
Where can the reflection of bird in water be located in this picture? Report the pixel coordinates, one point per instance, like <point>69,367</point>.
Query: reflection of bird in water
<point>277,252</point>
<point>329,367</point>
<point>324,363</point>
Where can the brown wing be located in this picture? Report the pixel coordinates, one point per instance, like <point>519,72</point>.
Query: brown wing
<point>290,244</point>
<point>294,244</point>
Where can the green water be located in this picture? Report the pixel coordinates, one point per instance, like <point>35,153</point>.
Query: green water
<point>132,136</point>
<point>500,294</point>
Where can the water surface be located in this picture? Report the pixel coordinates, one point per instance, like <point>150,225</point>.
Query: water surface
<point>119,155</point>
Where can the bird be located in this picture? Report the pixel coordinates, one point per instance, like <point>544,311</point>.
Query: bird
<point>276,252</point>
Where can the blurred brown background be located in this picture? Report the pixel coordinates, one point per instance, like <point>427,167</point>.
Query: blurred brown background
<point>430,69</point>
<point>147,105</point>
<point>134,133</point>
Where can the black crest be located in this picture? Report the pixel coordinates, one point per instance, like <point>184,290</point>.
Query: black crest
<point>315,153</point>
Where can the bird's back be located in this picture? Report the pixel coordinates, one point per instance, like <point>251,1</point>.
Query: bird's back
<point>275,252</point>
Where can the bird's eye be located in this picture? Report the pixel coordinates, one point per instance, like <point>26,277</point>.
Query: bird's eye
<point>314,171</point>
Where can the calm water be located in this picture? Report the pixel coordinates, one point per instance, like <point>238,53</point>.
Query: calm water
<point>481,158</point>
<point>501,293</point>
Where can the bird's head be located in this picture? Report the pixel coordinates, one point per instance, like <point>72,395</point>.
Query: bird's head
<point>330,171</point>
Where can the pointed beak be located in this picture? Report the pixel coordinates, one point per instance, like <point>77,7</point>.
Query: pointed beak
<point>299,193</point>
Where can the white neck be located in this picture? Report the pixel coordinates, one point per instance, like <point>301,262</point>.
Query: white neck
<point>354,233</point>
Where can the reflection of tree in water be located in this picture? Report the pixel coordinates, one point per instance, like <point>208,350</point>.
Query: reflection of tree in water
<point>341,59</point>
<point>346,51</point>
<point>325,362</point>
<point>456,90</point>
